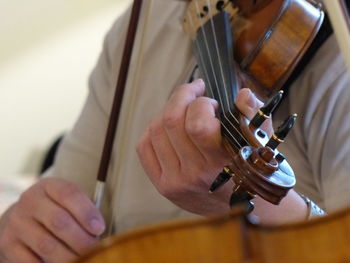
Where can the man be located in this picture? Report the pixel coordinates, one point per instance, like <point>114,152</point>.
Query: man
<point>55,220</point>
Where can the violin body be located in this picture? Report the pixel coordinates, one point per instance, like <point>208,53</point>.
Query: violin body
<point>268,50</point>
<point>231,238</point>
<point>274,55</point>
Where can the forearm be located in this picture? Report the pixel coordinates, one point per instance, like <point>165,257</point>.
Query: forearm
<point>292,208</point>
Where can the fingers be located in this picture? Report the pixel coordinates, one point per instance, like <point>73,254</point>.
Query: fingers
<point>53,221</point>
<point>247,103</point>
<point>148,157</point>
<point>11,249</point>
<point>22,255</point>
<point>164,151</point>
<point>72,199</point>
<point>164,145</point>
<point>204,129</point>
<point>182,153</point>
<point>65,227</point>
<point>44,244</point>
<point>22,237</point>
<point>174,122</point>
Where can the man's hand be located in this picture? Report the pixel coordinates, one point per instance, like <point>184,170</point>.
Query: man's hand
<point>182,149</point>
<point>53,221</point>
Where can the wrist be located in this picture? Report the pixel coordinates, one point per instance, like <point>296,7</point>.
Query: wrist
<point>291,209</point>
<point>313,210</point>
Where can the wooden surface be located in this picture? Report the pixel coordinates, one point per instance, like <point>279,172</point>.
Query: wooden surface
<point>231,238</point>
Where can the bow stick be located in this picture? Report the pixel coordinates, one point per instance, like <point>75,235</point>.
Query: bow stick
<point>117,102</point>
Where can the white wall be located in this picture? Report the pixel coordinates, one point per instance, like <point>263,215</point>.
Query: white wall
<point>43,74</point>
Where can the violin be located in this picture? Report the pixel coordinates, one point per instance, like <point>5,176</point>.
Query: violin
<point>262,57</point>
<point>254,59</point>
<point>270,41</point>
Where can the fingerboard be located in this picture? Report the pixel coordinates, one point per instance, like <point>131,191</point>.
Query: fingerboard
<point>213,48</point>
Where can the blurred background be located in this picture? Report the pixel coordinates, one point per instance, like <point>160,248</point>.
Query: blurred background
<point>48,48</point>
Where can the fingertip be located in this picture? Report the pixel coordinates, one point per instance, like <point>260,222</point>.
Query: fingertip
<point>247,97</point>
<point>97,226</point>
<point>200,87</point>
<point>214,103</point>
<point>198,82</point>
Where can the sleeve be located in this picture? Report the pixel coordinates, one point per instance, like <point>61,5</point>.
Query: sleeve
<point>79,154</point>
<point>328,140</point>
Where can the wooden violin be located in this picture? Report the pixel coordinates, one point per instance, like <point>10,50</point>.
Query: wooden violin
<point>265,56</point>
<point>268,42</point>
<point>267,53</point>
<point>257,168</point>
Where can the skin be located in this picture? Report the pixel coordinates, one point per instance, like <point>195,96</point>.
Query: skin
<point>182,152</point>
<point>53,220</point>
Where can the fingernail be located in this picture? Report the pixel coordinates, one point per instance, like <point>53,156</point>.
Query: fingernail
<point>214,102</point>
<point>198,81</point>
<point>97,226</point>
<point>250,99</point>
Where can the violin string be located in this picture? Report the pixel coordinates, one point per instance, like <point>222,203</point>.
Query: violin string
<point>222,76</point>
<point>221,71</point>
<point>216,81</point>
<point>206,74</point>
<point>220,64</point>
<point>223,124</point>
<point>210,88</point>
<point>210,58</point>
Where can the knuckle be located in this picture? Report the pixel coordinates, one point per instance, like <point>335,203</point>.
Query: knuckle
<point>60,221</point>
<point>198,129</point>
<point>46,245</point>
<point>171,119</point>
<point>13,219</point>
<point>69,191</point>
<point>155,129</point>
<point>25,200</point>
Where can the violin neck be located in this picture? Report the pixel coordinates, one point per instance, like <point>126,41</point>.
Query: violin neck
<point>213,47</point>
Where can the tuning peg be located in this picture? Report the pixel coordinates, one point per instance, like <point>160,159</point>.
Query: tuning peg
<point>281,132</point>
<point>243,198</point>
<point>266,110</point>
<point>220,180</point>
